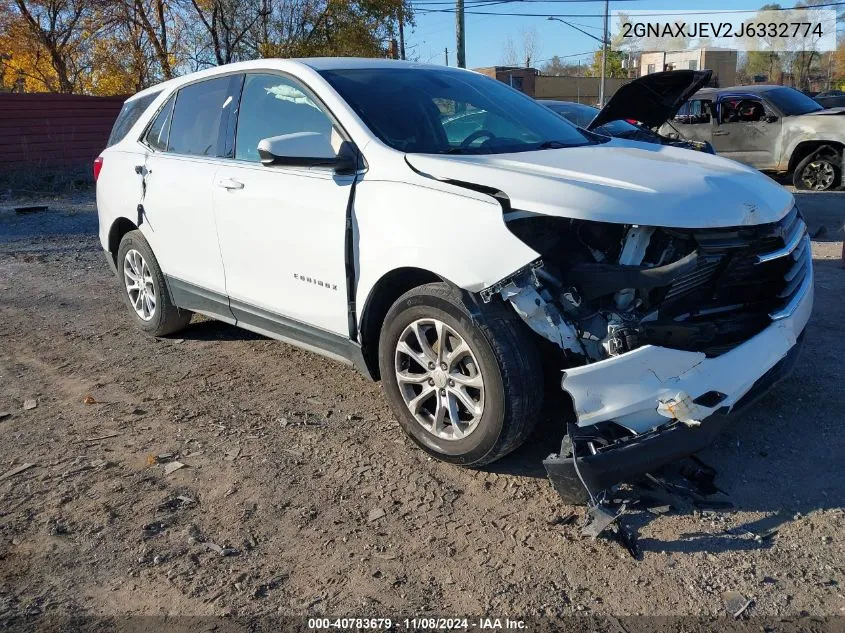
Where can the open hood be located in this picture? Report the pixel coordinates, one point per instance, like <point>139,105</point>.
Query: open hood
<point>652,99</point>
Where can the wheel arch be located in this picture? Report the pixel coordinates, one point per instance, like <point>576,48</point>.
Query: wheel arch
<point>383,295</point>
<point>805,148</point>
<point>120,227</point>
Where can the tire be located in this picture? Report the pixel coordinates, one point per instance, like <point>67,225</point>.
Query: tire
<point>164,317</point>
<point>814,172</point>
<point>501,351</point>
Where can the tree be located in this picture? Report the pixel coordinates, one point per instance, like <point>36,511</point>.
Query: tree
<point>122,46</point>
<point>614,67</point>
<point>525,53</point>
<point>558,68</point>
<point>49,41</point>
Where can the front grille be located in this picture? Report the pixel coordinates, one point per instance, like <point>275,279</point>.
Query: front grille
<point>745,278</point>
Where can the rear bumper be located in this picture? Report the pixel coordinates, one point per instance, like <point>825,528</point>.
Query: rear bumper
<point>674,402</point>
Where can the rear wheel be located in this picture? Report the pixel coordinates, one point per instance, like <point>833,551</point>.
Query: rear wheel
<point>820,171</point>
<point>465,380</point>
<point>144,289</point>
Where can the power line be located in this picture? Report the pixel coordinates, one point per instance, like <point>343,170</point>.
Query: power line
<point>481,2</point>
<point>638,15</point>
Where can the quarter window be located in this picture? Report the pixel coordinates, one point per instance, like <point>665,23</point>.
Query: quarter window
<point>200,110</point>
<point>272,105</point>
<point>160,129</point>
<point>129,115</point>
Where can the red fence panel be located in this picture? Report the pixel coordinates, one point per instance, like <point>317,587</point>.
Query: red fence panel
<point>54,129</point>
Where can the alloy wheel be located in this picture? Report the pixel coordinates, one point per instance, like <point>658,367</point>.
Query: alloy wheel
<point>139,284</point>
<point>818,175</point>
<point>440,379</point>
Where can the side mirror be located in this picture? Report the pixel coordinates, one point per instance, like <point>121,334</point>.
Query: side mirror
<point>306,149</point>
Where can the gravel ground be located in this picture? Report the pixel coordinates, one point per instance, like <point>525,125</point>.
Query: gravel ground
<point>300,495</point>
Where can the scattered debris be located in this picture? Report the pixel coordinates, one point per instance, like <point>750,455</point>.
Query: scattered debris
<point>565,519</point>
<point>222,551</point>
<point>35,208</point>
<point>600,519</point>
<point>232,454</point>
<point>17,470</point>
<point>137,411</point>
<point>4,415</point>
<point>89,399</point>
<point>627,537</point>
<point>173,467</point>
<point>375,514</point>
<point>97,438</point>
<point>179,502</point>
<point>29,403</point>
<point>153,529</point>
<point>735,602</point>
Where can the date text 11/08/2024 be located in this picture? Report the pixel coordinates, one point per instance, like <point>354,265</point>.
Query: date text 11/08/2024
<point>417,624</point>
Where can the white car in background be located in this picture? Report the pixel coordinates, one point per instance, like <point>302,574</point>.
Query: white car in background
<point>323,203</point>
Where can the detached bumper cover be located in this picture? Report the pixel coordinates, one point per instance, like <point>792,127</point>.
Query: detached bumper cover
<point>628,388</point>
<point>646,388</point>
<point>648,451</point>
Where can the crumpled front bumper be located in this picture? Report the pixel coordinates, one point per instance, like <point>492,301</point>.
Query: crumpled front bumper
<point>675,402</point>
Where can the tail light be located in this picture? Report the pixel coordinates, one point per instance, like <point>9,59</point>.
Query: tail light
<point>98,165</point>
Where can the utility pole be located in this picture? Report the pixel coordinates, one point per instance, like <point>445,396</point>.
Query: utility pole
<point>604,55</point>
<point>446,50</point>
<point>460,36</point>
<point>401,32</point>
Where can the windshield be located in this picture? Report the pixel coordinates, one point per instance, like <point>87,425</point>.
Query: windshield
<point>581,115</point>
<point>432,111</point>
<point>791,102</point>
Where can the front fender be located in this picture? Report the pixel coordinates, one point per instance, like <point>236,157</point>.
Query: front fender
<point>460,236</point>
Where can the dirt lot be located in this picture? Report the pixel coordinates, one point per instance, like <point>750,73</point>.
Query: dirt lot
<point>295,465</point>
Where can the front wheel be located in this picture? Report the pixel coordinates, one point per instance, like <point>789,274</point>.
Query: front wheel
<point>464,379</point>
<point>818,172</point>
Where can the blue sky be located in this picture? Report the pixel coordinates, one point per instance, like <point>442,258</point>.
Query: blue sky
<point>486,34</point>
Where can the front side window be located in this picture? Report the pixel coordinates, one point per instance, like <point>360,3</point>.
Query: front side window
<point>410,109</point>
<point>158,133</point>
<point>272,105</point>
<point>742,110</point>
<point>200,109</point>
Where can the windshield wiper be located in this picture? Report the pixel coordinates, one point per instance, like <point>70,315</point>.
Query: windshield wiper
<point>552,145</point>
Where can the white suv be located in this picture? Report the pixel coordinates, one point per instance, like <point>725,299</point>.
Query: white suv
<point>446,233</point>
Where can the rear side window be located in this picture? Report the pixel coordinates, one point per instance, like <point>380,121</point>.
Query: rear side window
<point>159,131</point>
<point>200,109</point>
<point>129,115</point>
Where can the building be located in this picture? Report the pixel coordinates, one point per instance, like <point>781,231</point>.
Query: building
<point>720,60</point>
<point>519,77</point>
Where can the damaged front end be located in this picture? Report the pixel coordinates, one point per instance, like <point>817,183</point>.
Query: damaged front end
<point>659,332</point>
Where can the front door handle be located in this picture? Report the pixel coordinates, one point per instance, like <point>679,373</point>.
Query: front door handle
<point>721,133</point>
<point>230,183</point>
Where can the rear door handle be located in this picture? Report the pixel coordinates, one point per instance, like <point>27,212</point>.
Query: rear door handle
<point>230,183</point>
